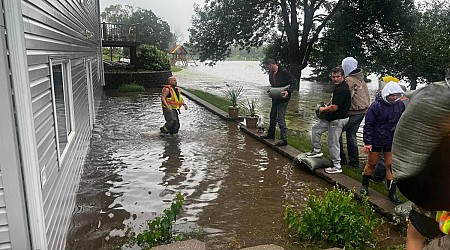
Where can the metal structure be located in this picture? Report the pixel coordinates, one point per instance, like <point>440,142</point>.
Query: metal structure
<point>121,35</point>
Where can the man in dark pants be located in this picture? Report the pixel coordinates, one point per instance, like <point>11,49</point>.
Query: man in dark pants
<point>360,103</point>
<point>279,77</point>
<point>171,101</point>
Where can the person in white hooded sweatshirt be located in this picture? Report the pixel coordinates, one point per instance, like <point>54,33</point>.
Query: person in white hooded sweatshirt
<point>380,122</point>
<point>360,101</point>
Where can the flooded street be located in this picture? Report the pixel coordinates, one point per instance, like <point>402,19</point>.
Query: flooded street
<point>235,187</point>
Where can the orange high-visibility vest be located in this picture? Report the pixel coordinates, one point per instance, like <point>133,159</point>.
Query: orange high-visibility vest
<point>443,218</point>
<point>174,101</point>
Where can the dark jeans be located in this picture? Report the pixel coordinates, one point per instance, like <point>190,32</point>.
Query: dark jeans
<point>278,115</point>
<point>352,142</point>
<point>172,121</point>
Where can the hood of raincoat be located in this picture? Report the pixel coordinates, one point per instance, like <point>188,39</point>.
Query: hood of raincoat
<point>391,88</point>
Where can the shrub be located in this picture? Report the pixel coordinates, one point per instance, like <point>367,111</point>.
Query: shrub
<point>151,58</point>
<point>233,95</point>
<point>133,87</point>
<point>159,230</point>
<point>337,219</point>
<point>250,107</point>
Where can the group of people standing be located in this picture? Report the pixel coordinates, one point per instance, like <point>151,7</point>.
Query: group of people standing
<point>348,106</point>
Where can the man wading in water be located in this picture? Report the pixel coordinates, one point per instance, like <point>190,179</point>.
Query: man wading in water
<point>171,101</point>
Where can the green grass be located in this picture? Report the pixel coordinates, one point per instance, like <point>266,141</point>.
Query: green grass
<point>301,141</point>
<point>175,69</point>
<point>217,101</point>
<point>115,58</point>
<point>132,87</point>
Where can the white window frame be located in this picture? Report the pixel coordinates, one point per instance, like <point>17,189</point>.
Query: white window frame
<point>90,92</point>
<point>68,104</point>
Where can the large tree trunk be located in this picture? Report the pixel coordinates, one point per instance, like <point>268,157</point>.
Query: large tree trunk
<point>413,83</point>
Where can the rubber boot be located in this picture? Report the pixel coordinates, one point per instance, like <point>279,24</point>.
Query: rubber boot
<point>365,185</point>
<point>392,189</point>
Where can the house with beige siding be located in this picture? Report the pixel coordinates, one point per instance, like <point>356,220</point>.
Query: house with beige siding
<point>51,82</point>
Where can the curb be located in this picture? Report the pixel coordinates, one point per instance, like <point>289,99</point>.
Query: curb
<point>215,110</point>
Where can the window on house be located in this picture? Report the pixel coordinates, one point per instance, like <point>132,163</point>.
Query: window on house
<point>62,103</point>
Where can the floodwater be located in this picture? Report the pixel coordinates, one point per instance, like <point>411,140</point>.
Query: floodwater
<point>235,187</point>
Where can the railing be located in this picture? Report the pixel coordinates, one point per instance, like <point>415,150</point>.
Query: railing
<point>119,32</point>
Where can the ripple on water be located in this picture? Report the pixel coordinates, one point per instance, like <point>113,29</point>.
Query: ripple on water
<point>235,188</point>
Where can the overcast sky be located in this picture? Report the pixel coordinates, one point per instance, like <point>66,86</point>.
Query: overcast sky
<point>177,13</point>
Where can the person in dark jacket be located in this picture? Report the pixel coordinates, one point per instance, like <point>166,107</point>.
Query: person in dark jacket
<point>378,132</point>
<point>279,77</point>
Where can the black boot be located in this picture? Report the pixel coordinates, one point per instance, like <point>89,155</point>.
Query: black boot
<point>365,185</point>
<point>392,189</point>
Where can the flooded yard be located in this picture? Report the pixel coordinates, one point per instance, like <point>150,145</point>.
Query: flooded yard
<point>235,187</point>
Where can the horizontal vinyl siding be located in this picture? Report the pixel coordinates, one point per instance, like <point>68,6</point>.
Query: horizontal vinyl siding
<point>57,29</point>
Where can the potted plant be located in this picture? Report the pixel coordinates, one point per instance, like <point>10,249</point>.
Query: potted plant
<point>232,95</point>
<point>250,108</point>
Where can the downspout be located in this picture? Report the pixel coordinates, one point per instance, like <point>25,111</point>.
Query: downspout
<point>25,123</point>
<point>101,34</point>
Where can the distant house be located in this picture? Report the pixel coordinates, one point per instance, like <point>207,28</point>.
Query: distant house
<point>180,54</point>
<point>50,86</point>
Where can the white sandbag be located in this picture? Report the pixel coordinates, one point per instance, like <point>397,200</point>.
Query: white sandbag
<point>312,163</point>
<point>275,93</point>
<point>422,127</point>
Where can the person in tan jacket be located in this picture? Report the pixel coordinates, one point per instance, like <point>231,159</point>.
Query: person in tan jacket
<point>360,101</point>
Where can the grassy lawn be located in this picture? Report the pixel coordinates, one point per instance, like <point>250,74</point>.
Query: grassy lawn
<point>299,140</point>
<point>175,69</point>
<point>114,59</point>
<point>213,99</point>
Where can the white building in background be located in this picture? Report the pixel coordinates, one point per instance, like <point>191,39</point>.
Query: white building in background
<point>50,86</point>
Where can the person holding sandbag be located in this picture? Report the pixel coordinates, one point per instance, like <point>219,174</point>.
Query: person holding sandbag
<point>282,83</point>
<point>421,162</point>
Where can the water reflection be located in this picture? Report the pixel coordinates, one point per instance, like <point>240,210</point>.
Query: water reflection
<point>235,188</point>
<point>228,178</point>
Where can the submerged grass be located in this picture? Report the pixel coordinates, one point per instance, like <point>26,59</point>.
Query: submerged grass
<point>132,87</point>
<point>217,101</point>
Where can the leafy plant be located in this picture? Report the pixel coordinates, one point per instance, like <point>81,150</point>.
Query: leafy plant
<point>159,230</point>
<point>233,94</point>
<point>250,107</point>
<point>337,219</point>
<point>132,87</point>
<point>151,58</point>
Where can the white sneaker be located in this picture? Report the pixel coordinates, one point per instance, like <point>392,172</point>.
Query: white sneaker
<point>333,170</point>
<point>314,154</point>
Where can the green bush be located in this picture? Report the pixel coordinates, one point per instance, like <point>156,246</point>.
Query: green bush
<point>159,230</point>
<point>133,87</point>
<point>151,58</point>
<point>336,219</point>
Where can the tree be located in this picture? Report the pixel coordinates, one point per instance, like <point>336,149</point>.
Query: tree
<point>363,29</point>
<point>151,29</point>
<point>389,37</point>
<point>221,24</point>
<point>424,56</point>
<point>117,14</point>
